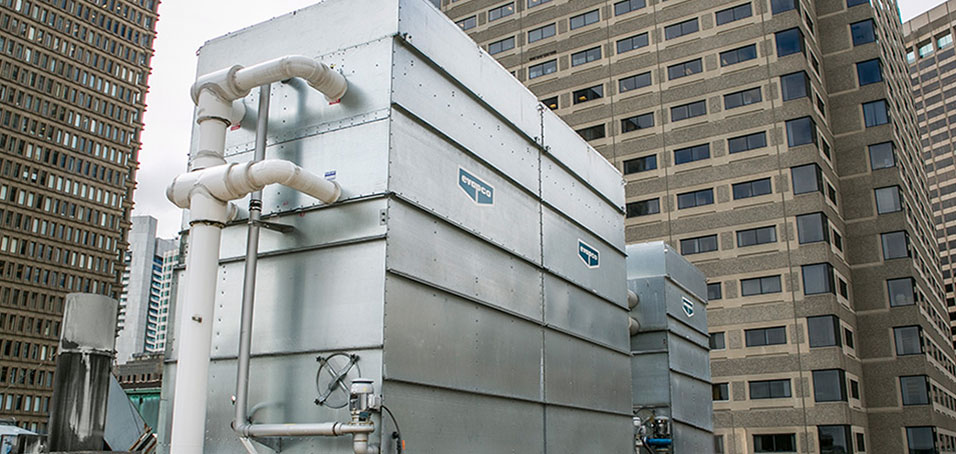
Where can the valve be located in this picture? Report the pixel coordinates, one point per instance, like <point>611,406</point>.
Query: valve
<point>363,400</point>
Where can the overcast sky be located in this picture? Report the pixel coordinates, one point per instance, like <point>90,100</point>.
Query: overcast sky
<point>182,28</point>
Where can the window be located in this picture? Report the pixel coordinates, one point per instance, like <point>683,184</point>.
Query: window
<point>850,3</point>
<point>888,200</point>
<point>834,439</point>
<point>498,47</point>
<point>717,341</point>
<point>817,279</point>
<point>695,199</point>
<point>895,245</point>
<point>636,122</point>
<point>801,131</point>
<point>634,82</point>
<point>921,440</point>
<point>795,85</point>
<point>874,113</point>
<point>869,72</point>
<point>642,164</point>
<point>909,340</point>
<point>901,292</point>
<point>533,3</point>
<point>848,337</point>
<point>807,178</point>
<point>643,208</point>
<point>944,41</point>
<point>914,390</point>
<point>752,237</point>
<point>592,132</point>
<point>721,391</point>
<point>718,444</point>
<point>588,94</point>
<point>748,142</point>
<point>680,29</point>
<point>634,42</point>
<point>911,57</point>
<point>714,292</point>
<point>734,14</point>
<point>698,245</point>
<point>551,102</point>
<point>684,69</point>
<point>779,6</point>
<point>766,336</point>
<point>855,394</point>
<point>542,69</point>
<point>829,385</point>
<point>501,11</point>
<point>775,443</point>
<point>760,285</point>
<point>789,42</point>
<point>824,331</point>
<point>881,156</point>
<point>690,154</point>
<point>585,19</point>
<point>862,32</point>
<point>586,56</point>
<point>860,444</point>
<point>769,389</point>
<point>685,111</point>
<point>741,54</point>
<point>541,33</point>
<point>468,23</point>
<point>742,98</point>
<point>627,6</point>
<point>751,188</point>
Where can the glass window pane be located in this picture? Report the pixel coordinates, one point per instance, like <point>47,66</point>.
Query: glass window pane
<point>881,156</point>
<point>635,82</point>
<point>801,131</point>
<point>541,33</point>
<point>875,114</point>
<point>817,279</point>
<point>829,385</point>
<point>823,331</point>
<point>807,178</point>
<point>921,440</point>
<point>795,85</point>
<point>914,390</point>
<point>641,164</point>
<point>862,32</point>
<point>834,439</point>
<point>869,72</point>
<point>717,341</point>
<point>714,291</point>
<point>779,6</point>
<point>901,292</point>
<point>909,340</point>
<point>888,200</point>
<point>895,245</point>
<point>789,42</point>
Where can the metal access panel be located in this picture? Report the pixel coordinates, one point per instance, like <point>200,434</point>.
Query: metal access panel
<point>474,267</point>
<point>671,364</point>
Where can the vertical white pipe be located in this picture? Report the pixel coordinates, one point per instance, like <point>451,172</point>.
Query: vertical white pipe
<point>196,317</point>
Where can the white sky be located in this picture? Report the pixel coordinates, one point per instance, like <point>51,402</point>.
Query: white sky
<point>182,28</point>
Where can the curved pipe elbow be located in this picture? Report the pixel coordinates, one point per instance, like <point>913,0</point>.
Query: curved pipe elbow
<point>319,76</point>
<point>263,173</point>
<point>632,299</point>
<point>633,326</point>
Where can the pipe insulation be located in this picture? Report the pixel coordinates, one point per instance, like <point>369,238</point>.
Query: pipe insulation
<point>328,429</point>
<point>235,82</point>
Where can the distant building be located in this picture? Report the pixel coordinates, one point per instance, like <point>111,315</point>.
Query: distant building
<point>145,295</point>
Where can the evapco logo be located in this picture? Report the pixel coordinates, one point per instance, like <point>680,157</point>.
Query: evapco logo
<point>480,192</point>
<point>590,256</point>
<point>688,306</point>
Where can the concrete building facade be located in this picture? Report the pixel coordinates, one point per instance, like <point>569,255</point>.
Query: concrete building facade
<point>145,295</point>
<point>775,144</point>
<point>932,69</point>
<point>73,77</point>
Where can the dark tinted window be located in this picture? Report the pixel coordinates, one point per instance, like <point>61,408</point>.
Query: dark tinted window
<point>627,6</point>
<point>775,443</point>
<point>684,69</point>
<point>634,42</point>
<point>850,3</point>
<point>588,94</point>
<point>752,188</point>
<point>685,111</point>
<point>680,29</point>
<point>824,331</point>
<point>862,32</point>
<point>901,291</point>
<point>587,18</point>
<point>501,11</point>
<point>888,199</point>
<point>533,3</point>
<point>698,245</point>
<point>760,235</point>
<point>766,336</point>
<point>643,208</point>
<point>881,155</point>
<point>721,391</point>
<point>914,390</point>
<point>812,227</point>
<point>468,23</point>
<point>586,56</point>
<point>551,102</point>
<point>795,85</point>
<point>592,133</point>
<point>748,142</point>
<point>789,42</point>
<point>742,98</point>
<point>807,178</point>
<point>875,113</point>
<point>637,122</point>
<point>542,69</point>
<point>779,6</point>
<point>817,278</point>
<point>760,285</point>
<point>770,389</point>
<point>714,292</point>
<point>738,55</point>
<point>641,164</point>
<point>541,33</point>
<point>921,440</point>
<point>801,131</point>
<point>690,154</point>
<point>732,14</point>
<point>829,385</point>
<point>717,341</point>
<point>869,72</point>
<point>895,245</point>
<point>634,82</point>
<point>695,199</point>
<point>834,439</point>
<point>908,339</point>
<point>501,46</point>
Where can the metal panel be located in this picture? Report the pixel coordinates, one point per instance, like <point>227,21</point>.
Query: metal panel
<point>312,228</point>
<point>570,308</point>
<point>425,169</point>
<point>576,431</point>
<point>443,421</point>
<point>651,380</point>
<point>577,201</point>
<point>658,259</point>
<point>692,401</point>
<point>688,358</point>
<point>581,374</point>
<point>561,256</point>
<point>433,251</point>
<point>435,338</point>
<point>282,389</point>
<point>326,299</point>
<point>415,87</point>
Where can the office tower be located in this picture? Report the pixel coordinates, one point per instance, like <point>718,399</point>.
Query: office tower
<point>775,144</point>
<point>145,296</point>
<point>72,85</point>
<point>930,55</point>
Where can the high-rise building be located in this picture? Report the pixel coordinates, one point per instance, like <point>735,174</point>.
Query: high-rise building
<point>932,65</point>
<point>72,84</point>
<point>144,299</point>
<point>775,144</point>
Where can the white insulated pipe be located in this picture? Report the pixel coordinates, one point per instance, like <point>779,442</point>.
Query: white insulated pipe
<point>329,429</point>
<point>205,191</point>
<point>633,326</point>
<point>632,299</point>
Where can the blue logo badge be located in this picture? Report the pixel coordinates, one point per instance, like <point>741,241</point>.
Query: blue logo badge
<point>688,306</point>
<point>590,256</point>
<point>480,192</point>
